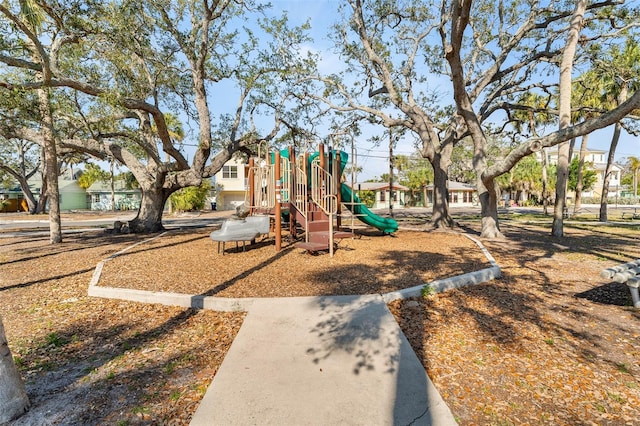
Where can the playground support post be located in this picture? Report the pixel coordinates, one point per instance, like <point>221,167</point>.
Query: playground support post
<point>278,209</point>
<point>390,173</point>
<point>251,179</point>
<point>292,190</point>
<point>337,178</point>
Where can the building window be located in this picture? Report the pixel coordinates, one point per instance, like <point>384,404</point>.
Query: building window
<point>230,172</point>
<point>95,198</point>
<point>383,195</point>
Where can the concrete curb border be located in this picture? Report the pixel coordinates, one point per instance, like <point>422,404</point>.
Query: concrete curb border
<point>225,304</point>
<point>438,286</point>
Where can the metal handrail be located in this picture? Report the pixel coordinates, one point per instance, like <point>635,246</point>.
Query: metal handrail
<point>300,200</point>
<point>323,189</point>
<point>323,193</point>
<point>264,184</point>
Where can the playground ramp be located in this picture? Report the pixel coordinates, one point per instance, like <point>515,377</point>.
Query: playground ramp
<point>353,203</point>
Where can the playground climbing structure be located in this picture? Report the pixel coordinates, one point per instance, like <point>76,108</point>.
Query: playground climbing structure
<point>308,190</point>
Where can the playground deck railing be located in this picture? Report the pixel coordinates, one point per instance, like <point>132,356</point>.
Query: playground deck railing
<point>323,190</point>
<point>300,200</point>
<point>264,184</point>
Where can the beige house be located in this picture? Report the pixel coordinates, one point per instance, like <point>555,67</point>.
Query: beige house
<point>231,184</point>
<point>598,159</point>
<point>383,196</point>
<point>460,194</point>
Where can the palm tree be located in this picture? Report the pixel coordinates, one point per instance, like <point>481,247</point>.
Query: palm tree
<point>536,114</point>
<point>525,176</point>
<point>586,94</point>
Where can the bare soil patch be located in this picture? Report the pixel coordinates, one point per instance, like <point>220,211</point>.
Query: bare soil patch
<point>549,343</point>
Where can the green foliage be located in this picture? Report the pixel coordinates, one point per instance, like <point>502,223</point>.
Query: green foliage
<point>92,173</point>
<point>367,197</point>
<point>415,173</point>
<point>130,181</point>
<point>427,291</point>
<point>589,176</point>
<point>190,198</point>
<point>55,340</point>
<point>525,175</point>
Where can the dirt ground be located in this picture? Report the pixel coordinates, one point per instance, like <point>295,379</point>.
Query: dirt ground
<point>549,343</point>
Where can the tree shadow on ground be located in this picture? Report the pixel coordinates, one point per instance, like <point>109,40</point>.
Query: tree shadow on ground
<point>360,331</point>
<point>44,280</point>
<point>608,294</point>
<point>72,361</point>
<point>395,269</point>
<point>220,287</point>
<point>152,245</point>
<point>70,244</point>
<point>531,294</point>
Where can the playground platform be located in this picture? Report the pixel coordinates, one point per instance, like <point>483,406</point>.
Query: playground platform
<point>321,361</point>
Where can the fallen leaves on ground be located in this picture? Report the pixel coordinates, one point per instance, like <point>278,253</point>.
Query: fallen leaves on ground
<point>94,361</point>
<point>542,345</point>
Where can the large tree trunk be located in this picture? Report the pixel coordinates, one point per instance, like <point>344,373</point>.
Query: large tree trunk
<point>489,193</point>
<point>440,217</point>
<point>30,198</point>
<point>149,217</point>
<point>566,68</point>
<point>579,185</point>
<point>51,168</point>
<point>13,397</point>
<point>607,173</point>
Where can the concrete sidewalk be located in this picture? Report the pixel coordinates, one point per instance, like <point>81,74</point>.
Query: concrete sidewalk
<point>321,361</point>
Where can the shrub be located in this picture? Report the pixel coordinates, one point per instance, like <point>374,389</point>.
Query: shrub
<point>190,198</point>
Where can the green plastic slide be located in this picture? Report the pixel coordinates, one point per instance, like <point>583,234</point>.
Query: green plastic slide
<point>385,224</point>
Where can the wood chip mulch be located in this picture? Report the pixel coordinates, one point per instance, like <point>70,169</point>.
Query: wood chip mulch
<point>549,343</point>
<point>188,262</point>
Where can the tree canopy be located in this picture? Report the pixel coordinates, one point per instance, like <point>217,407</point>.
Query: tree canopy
<point>119,73</point>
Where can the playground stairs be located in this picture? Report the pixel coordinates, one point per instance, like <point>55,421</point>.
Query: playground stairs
<point>318,230</point>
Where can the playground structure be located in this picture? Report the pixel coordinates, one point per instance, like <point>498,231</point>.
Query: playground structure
<point>308,191</point>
